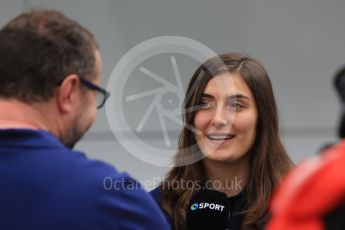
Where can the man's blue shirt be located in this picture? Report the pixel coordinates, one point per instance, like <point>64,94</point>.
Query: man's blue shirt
<point>44,185</point>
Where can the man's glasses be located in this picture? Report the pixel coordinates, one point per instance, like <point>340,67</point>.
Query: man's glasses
<point>102,94</point>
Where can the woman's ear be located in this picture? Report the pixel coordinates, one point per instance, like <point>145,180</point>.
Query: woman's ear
<point>68,94</point>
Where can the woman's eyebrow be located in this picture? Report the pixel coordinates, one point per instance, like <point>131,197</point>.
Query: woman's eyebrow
<point>231,97</point>
<point>237,96</point>
<point>205,95</point>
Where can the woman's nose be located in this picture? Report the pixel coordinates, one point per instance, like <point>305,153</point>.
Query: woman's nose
<point>220,118</point>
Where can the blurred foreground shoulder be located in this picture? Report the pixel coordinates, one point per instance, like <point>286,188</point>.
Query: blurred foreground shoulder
<point>312,195</point>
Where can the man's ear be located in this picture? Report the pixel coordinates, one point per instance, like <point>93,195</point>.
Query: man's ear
<point>68,93</point>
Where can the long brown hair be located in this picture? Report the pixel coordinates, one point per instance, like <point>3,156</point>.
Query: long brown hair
<point>268,158</point>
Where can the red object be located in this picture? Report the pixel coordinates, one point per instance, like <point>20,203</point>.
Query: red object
<point>309,192</point>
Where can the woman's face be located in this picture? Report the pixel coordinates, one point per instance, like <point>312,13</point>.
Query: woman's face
<point>226,119</point>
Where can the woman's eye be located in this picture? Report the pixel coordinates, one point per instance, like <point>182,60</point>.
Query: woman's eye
<point>204,105</point>
<point>236,105</point>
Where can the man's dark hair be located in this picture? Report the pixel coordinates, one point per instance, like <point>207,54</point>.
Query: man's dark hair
<point>38,49</point>
<point>339,83</point>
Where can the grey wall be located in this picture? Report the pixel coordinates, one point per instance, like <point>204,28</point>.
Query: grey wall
<point>300,42</point>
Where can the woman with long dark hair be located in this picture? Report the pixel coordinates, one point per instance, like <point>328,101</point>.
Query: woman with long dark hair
<point>230,140</point>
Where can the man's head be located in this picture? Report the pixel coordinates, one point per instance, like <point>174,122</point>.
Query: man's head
<point>43,57</point>
<point>339,83</point>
